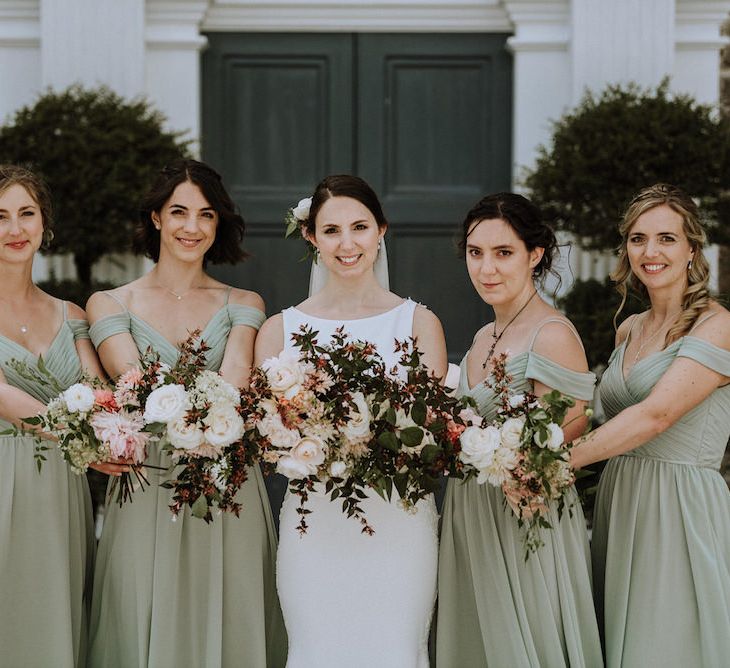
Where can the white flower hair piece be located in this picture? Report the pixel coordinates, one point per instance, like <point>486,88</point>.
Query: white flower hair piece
<point>296,216</point>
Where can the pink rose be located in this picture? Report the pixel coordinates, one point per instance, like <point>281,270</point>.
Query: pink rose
<point>105,399</point>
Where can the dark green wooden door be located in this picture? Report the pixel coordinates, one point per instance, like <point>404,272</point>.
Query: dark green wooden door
<point>424,118</point>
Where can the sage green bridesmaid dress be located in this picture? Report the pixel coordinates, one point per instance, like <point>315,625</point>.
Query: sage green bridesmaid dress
<point>661,537</point>
<point>496,609</point>
<point>183,592</point>
<point>46,530</point>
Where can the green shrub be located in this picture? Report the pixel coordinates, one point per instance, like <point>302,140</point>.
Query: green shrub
<point>591,306</point>
<point>99,153</point>
<point>608,148</point>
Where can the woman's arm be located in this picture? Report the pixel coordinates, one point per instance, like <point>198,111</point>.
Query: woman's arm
<point>557,342</point>
<point>117,353</point>
<point>685,385</point>
<point>238,356</point>
<point>270,339</point>
<point>15,404</point>
<point>429,335</point>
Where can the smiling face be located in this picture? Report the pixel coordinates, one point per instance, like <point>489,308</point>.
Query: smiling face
<point>187,224</point>
<point>658,249</point>
<point>21,225</point>
<point>346,235</point>
<point>499,264</point>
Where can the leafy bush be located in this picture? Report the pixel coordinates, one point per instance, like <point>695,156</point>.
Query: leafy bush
<point>611,146</point>
<point>591,305</point>
<point>99,153</point>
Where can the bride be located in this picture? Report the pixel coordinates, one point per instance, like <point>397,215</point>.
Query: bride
<point>350,599</point>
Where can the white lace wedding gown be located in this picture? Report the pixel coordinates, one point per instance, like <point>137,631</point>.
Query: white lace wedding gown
<point>351,600</point>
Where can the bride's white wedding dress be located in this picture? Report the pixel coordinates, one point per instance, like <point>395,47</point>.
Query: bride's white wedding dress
<point>351,600</point>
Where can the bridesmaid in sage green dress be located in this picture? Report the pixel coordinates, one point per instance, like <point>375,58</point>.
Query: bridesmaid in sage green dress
<point>661,537</point>
<point>496,608</point>
<point>183,592</point>
<point>46,527</point>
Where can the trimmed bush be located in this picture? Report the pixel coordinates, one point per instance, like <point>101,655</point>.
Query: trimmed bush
<point>99,154</point>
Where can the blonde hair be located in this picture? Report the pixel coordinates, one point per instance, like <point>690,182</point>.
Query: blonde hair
<point>696,298</point>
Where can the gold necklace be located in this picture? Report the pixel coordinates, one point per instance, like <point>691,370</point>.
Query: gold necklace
<point>177,295</point>
<point>642,343</point>
<point>497,337</point>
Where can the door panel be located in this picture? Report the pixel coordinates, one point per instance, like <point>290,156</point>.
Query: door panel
<point>424,118</point>
<point>277,116</point>
<point>433,136</point>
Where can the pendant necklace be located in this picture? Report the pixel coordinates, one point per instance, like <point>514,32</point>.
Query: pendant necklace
<point>177,295</point>
<point>651,338</point>
<point>24,329</point>
<point>497,337</point>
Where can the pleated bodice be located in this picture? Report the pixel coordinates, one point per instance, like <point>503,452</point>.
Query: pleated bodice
<point>700,437</point>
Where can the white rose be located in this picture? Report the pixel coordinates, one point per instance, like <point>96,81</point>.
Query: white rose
<point>478,445</point>
<point>166,404</point>
<point>223,425</point>
<point>292,468</point>
<point>301,210</point>
<point>338,469</point>
<point>498,470</point>
<point>184,436</point>
<point>511,432</point>
<point>358,426</point>
<point>554,439</point>
<point>273,428</point>
<point>285,373</point>
<point>79,398</point>
<point>303,459</point>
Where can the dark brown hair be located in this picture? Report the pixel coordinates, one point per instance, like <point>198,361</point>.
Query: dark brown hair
<point>229,233</point>
<point>523,217</point>
<point>344,185</point>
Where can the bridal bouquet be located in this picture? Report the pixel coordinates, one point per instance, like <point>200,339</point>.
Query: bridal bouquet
<point>333,415</point>
<point>196,416</point>
<point>522,451</point>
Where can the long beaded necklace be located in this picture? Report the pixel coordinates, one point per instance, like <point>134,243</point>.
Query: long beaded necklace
<point>497,337</point>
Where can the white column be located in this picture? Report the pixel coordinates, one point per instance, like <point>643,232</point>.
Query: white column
<point>698,43</point>
<point>172,76</point>
<point>20,59</point>
<point>620,41</point>
<point>542,83</point>
<point>93,42</point>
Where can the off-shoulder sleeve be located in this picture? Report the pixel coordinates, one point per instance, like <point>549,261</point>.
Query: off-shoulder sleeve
<point>239,314</point>
<point>79,328</point>
<point>573,383</point>
<point>116,323</point>
<point>706,353</point>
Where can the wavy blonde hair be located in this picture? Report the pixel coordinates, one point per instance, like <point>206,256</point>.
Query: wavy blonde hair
<point>696,298</point>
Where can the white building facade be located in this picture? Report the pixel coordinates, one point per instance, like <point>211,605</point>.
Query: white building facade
<point>559,49</point>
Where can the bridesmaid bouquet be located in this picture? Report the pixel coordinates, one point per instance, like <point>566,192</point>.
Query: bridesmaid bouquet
<point>334,415</point>
<point>523,452</point>
<point>90,427</point>
<point>195,415</point>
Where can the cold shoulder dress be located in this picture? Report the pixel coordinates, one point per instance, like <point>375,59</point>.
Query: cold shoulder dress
<point>661,538</point>
<point>496,609</point>
<point>183,592</point>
